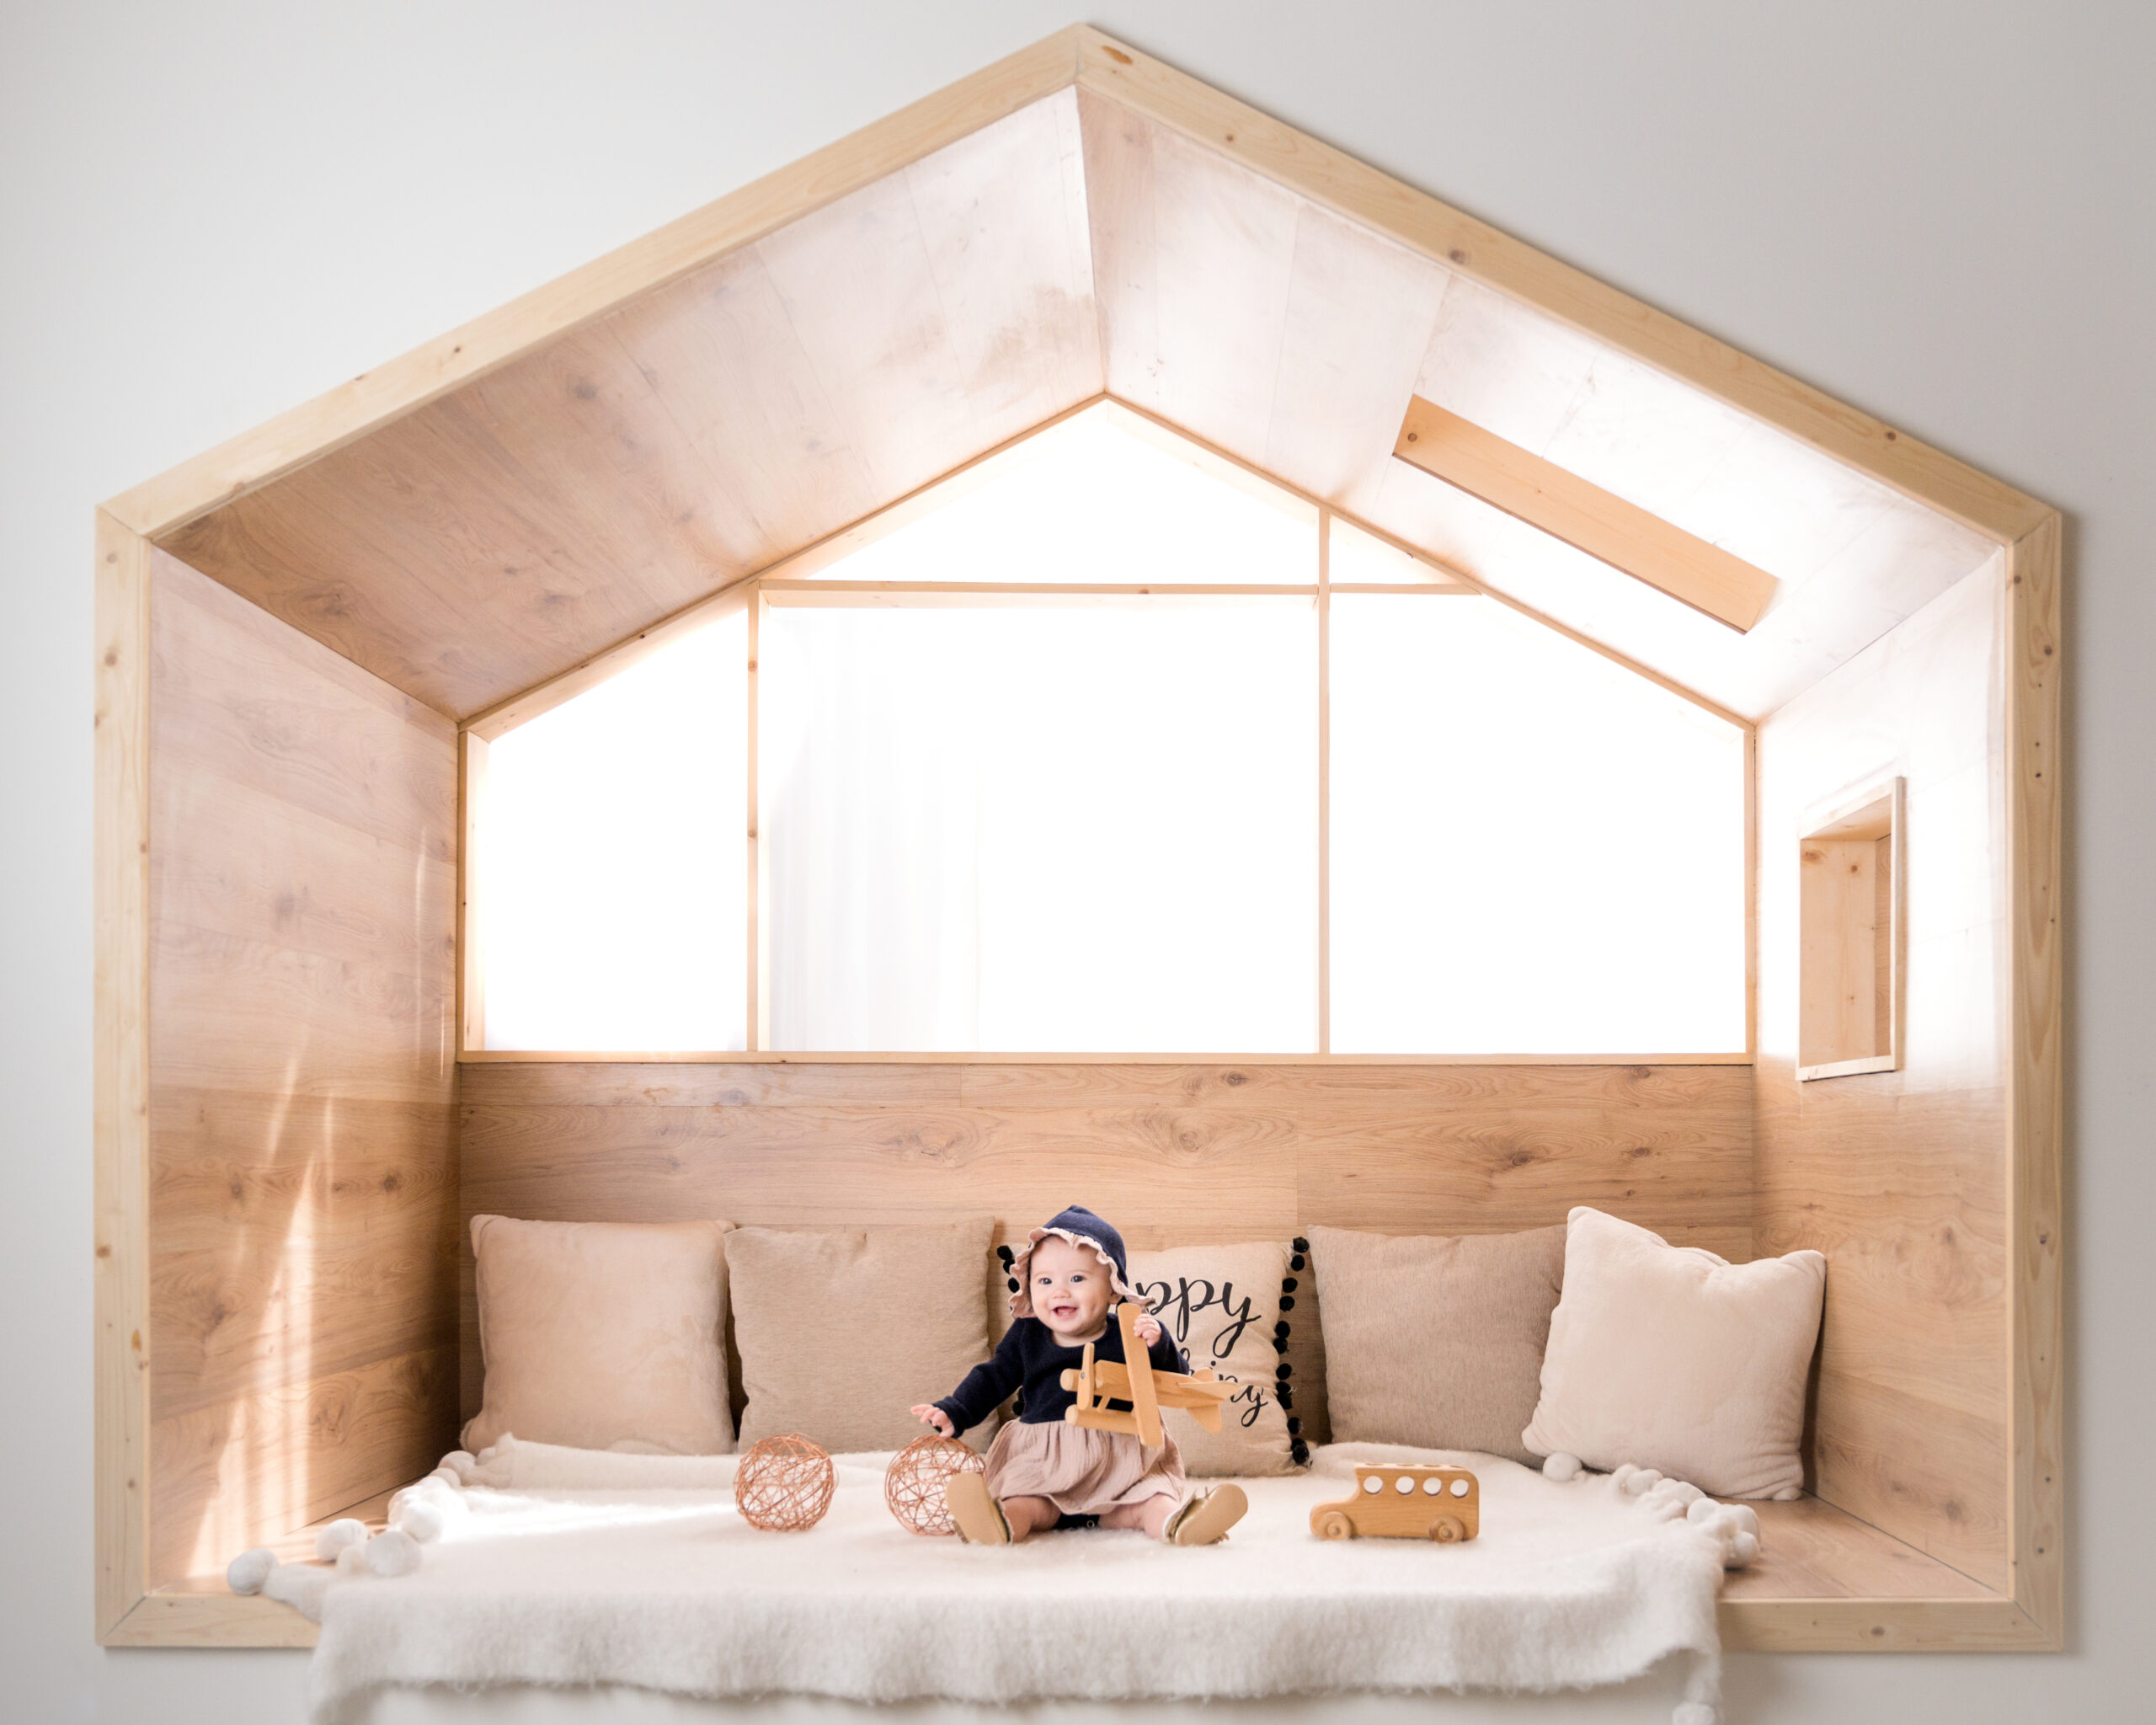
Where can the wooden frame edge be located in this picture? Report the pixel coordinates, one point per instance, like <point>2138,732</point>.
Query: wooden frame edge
<point>120,1035</point>
<point>471,752</point>
<point>212,1620</point>
<point>375,398</point>
<point>215,1620</point>
<point>1892,1626</point>
<point>2037,1146</point>
<point>1426,225</point>
<point>903,1057</point>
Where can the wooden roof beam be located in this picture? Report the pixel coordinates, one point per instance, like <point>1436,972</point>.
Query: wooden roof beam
<point>1601,524</point>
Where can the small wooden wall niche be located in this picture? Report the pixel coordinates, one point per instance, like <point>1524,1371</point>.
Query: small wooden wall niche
<point>1853,932</point>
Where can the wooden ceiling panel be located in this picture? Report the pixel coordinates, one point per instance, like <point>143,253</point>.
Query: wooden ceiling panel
<point>1194,257</point>
<point>949,307</point>
<point>1360,312</point>
<point>721,355</point>
<point>504,532</point>
<point>1515,376</point>
<point>773,394</point>
<point>1264,324</point>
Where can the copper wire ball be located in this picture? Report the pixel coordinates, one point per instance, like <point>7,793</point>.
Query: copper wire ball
<point>784,1484</point>
<point>913,1483</point>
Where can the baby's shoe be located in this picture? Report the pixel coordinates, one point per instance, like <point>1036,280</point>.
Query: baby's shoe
<point>979,1517</point>
<point>1205,1519</point>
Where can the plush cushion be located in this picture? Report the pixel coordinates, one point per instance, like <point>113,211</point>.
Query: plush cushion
<point>1671,1358</point>
<point>603,1335</point>
<point>1432,1341</point>
<point>841,1331</point>
<point>1221,1305</point>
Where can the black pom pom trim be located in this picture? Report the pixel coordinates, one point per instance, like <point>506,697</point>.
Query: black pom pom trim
<point>1300,1244</point>
<point>1286,1302</point>
<point>1279,1344</point>
<point>1008,1256</point>
<point>1013,1280</point>
<point>1294,1427</point>
<point>1283,1369</point>
<point>1299,1452</point>
<point>1280,1328</point>
<point>1296,1261</point>
<point>1289,1285</point>
<point>1284,1395</point>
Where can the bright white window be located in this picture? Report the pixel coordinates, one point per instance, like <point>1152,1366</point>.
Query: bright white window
<point>1101,498</point>
<point>1045,827</point>
<point>1016,817</point>
<point>1533,850</point>
<point>611,862</point>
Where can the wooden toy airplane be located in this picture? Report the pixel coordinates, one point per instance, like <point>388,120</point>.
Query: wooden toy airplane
<point>1133,1379</point>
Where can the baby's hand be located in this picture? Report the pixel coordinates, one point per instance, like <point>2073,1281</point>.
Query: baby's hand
<point>1148,1329</point>
<point>928,1413</point>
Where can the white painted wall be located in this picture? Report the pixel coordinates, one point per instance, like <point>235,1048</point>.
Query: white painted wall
<point>1945,212</point>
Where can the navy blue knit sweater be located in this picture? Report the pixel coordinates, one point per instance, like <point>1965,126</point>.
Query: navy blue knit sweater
<point>1030,1360</point>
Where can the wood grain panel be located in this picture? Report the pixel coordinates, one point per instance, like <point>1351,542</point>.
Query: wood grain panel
<point>1899,1177</point>
<point>574,496</point>
<point>228,1476</point>
<point>302,1171</point>
<point>1810,1549</point>
<point>1174,1154</point>
<point>120,1084</point>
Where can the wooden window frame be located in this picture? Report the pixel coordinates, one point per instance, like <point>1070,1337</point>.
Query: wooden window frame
<point>795,582</point>
<point>1873,816</point>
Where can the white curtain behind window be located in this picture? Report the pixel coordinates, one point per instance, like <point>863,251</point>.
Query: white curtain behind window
<point>1042,828</point>
<point>1533,850</point>
<point>613,860</point>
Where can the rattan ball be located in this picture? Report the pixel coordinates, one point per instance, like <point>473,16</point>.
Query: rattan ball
<point>784,1484</point>
<point>913,1483</point>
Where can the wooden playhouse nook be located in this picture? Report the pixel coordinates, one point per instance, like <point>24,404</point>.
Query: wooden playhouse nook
<point>307,638</point>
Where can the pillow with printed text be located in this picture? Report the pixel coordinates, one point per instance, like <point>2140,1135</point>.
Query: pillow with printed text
<point>1221,1304</point>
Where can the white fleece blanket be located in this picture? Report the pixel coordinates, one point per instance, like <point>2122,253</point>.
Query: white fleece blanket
<point>615,1579</point>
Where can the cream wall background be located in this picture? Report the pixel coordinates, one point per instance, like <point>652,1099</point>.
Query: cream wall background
<point>1944,212</point>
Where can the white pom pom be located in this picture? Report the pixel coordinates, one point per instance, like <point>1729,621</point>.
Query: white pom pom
<point>458,1464</point>
<point>391,1552</point>
<point>1702,1510</point>
<point>1685,1491</point>
<point>1625,1470</point>
<point>352,1559</point>
<point>246,1573</point>
<point>1640,1481</point>
<point>1746,1517</point>
<point>422,1521</point>
<point>1787,1494</point>
<point>333,1538</point>
<point>1561,1467</point>
<point>1740,1552</point>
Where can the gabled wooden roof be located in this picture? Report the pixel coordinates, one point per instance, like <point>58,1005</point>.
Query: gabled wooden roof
<point>500,505</point>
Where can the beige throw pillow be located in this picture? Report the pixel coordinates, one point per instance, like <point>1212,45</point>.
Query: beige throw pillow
<point>1671,1358</point>
<point>1433,1341</point>
<point>842,1330</point>
<point>603,1335</point>
<point>1221,1305</point>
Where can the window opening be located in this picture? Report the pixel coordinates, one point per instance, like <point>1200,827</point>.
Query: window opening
<point>1850,932</point>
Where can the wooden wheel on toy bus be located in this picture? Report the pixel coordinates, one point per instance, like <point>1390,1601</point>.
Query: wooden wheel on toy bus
<point>1334,1525</point>
<point>1448,1529</point>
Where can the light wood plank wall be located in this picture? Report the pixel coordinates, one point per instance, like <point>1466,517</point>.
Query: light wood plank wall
<point>1170,1153</point>
<point>1899,1177</point>
<point>302,1143</point>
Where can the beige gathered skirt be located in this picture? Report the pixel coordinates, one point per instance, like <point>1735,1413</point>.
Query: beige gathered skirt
<point>1080,1471</point>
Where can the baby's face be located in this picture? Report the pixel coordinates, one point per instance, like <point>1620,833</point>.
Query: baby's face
<point>1069,1287</point>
